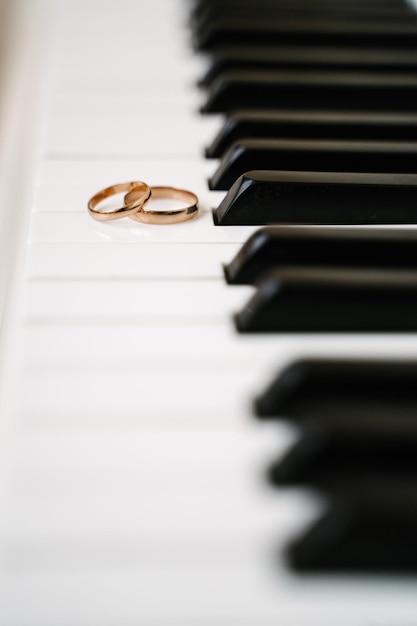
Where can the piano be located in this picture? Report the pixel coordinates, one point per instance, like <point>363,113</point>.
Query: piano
<point>133,482</point>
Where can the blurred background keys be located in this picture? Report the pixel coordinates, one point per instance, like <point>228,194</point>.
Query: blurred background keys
<point>332,31</point>
<point>301,5</point>
<point>274,57</point>
<point>334,453</point>
<point>332,300</point>
<point>213,15</point>
<point>206,12</point>
<point>283,197</point>
<point>261,89</point>
<point>281,124</point>
<point>369,530</point>
<point>276,246</point>
<point>340,387</point>
<point>358,424</point>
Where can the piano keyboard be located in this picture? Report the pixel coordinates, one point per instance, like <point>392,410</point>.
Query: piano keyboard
<point>133,474</point>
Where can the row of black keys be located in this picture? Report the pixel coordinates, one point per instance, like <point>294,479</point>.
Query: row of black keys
<point>327,280</point>
<point>295,106</point>
<point>357,447</point>
<point>343,154</point>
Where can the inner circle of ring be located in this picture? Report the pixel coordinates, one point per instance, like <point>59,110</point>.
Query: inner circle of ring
<point>128,208</point>
<point>166,217</point>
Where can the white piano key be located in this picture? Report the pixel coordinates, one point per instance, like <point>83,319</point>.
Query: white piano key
<point>60,344</point>
<point>144,513</point>
<point>158,300</point>
<point>82,228</point>
<point>52,463</point>
<point>46,462</point>
<point>96,453</point>
<point>191,386</point>
<point>66,185</point>
<point>237,595</point>
<point>92,67</point>
<point>93,174</point>
<point>181,69</point>
<point>140,260</point>
<point>139,550</point>
<point>100,126</point>
<point>134,78</point>
<point>172,107</point>
<point>55,480</point>
<point>64,197</point>
<point>154,419</point>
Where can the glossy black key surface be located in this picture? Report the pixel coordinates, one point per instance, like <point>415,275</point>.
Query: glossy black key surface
<point>277,246</point>
<point>311,155</point>
<point>369,530</point>
<point>336,453</point>
<point>310,300</point>
<point>286,89</point>
<point>341,388</point>
<point>312,125</point>
<point>276,58</point>
<point>282,197</point>
<point>308,31</point>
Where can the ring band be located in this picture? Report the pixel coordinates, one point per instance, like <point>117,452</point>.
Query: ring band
<point>142,196</point>
<point>165,217</point>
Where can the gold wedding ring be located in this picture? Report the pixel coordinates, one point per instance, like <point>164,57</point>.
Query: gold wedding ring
<point>142,194</point>
<point>164,217</point>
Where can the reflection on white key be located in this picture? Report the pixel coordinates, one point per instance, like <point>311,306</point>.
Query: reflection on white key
<point>82,228</point>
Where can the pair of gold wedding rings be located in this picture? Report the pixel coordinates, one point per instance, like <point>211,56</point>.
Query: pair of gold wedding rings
<point>138,194</point>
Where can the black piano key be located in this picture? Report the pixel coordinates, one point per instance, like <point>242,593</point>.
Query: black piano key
<point>371,530</point>
<point>310,300</point>
<point>333,454</point>
<point>308,31</point>
<point>287,89</point>
<point>276,246</point>
<point>303,6</point>
<point>276,58</point>
<point>208,19</point>
<point>342,388</point>
<point>312,125</point>
<point>312,155</point>
<point>277,197</point>
<point>205,17</point>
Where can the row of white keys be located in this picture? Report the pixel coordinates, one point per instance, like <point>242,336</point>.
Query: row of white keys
<point>136,490</point>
